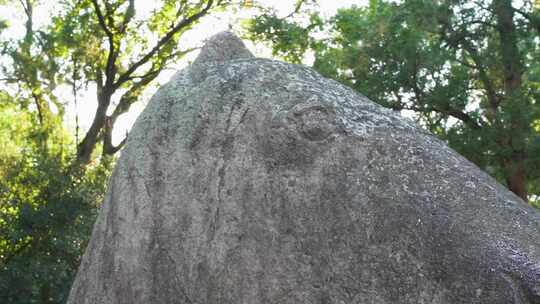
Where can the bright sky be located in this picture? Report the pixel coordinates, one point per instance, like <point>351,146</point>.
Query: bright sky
<point>213,24</point>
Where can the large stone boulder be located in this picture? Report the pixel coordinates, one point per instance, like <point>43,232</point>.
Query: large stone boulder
<point>248,180</point>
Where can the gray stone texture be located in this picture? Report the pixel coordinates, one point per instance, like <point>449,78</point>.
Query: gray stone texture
<point>247,180</point>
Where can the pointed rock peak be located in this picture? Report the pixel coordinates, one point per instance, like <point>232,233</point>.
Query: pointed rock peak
<point>221,47</point>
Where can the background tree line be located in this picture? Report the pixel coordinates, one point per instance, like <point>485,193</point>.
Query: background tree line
<point>469,71</point>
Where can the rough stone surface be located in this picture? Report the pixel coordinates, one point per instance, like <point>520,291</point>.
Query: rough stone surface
<point>252,181</point>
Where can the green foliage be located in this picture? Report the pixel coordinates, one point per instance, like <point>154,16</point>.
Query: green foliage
<point>290,40</point>
<point>46,210</point>
<point>467,71</point>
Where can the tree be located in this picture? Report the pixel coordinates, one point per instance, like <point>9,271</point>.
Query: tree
<point>467,69</point>
<point>104,43</point>
<point>46,209</point>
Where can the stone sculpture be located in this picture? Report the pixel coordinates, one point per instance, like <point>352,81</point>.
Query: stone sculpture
<point>248,180</point>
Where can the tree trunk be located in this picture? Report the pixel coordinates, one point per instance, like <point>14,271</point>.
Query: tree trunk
<point>516,178</point>
<point>88,144</point>
<point>29,34</point>
<point>516,175</point>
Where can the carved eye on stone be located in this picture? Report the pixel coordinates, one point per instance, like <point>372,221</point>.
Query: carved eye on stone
<point>314,122</point>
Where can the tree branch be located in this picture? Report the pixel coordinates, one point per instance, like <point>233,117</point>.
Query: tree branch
<point>25,8</point>
<point>10,79</point>
<point>454,39</point>
<point>482,73</point>
<point>132,95</point>
<point>297,8</point>
<point>462,116</point>
<point>101,20</point>
<point>164,60</point>
<point>164,40</point>
<point>533,19</point>
<point>17,251</point>
<point>108,147</point>
<point>128,15</point>
<point>38,107</point>
<point>110,69</point>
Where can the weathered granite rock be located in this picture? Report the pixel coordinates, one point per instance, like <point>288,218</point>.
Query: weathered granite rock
<point>253,181</point>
